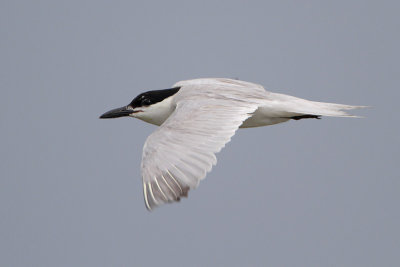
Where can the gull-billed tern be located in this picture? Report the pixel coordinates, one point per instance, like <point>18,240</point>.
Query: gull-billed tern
<point>197,118</point>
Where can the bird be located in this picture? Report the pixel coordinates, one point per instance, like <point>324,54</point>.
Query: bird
<point>196,119</point>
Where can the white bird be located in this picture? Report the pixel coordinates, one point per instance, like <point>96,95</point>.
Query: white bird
<point>197,118</point>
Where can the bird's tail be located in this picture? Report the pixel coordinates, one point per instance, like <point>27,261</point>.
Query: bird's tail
<point>301,107</point>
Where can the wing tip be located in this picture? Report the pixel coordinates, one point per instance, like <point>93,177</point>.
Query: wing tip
<point>146,199</point>
<point>150,197</point>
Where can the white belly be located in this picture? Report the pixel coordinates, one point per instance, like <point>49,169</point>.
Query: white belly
<point>264,116</point>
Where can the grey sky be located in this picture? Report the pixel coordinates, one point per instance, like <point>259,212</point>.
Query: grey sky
<point>306,193</point>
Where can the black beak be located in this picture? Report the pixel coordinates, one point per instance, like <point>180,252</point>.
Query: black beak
<point>116,113</point>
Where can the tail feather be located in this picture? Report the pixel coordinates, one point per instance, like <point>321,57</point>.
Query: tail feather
<point>299,106</point>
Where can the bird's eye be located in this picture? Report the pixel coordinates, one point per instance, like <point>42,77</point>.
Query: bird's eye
<point>146,102</point>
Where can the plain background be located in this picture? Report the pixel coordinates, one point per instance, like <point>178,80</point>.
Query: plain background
<point>303,193</point>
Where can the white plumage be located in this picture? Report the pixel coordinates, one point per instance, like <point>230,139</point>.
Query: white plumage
<point>197,122</point>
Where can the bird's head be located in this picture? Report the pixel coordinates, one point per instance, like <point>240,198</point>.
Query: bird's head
<point>151,106</point>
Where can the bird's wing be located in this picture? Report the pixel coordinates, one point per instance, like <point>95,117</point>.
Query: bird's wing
<point>182,150</point>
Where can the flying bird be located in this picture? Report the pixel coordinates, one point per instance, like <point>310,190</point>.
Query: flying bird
<point>197,118</point>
